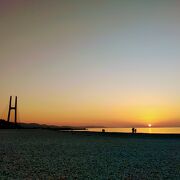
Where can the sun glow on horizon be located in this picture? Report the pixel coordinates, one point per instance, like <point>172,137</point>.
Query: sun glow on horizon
<point>149,125</point>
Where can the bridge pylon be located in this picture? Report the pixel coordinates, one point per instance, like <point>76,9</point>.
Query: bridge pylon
<point>12,108</point>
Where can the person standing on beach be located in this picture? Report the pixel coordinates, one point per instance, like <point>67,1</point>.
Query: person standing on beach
<point>133,130</point>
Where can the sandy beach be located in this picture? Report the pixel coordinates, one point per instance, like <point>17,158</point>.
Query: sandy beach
<point>44,154</point>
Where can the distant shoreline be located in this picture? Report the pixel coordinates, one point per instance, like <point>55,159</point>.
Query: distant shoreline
<point>122,134</point>
<point>101,134</point>
<point>152,130</point>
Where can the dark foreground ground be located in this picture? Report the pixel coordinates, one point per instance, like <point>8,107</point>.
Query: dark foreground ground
<point>43,154</point>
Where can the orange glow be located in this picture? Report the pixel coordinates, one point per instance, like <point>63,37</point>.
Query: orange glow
<point>88,112</point>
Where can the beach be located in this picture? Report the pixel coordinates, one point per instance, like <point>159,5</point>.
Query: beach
<point>47,154</point>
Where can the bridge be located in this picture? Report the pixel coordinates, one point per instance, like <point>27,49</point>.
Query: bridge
<point>8,123</point>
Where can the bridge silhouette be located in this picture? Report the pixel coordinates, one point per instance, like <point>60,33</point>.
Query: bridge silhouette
<point>8,123</point>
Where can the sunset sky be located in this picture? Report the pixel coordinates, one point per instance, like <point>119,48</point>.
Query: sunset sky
<point>114,63</point>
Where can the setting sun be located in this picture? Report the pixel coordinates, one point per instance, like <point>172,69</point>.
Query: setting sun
<point>149,125</point>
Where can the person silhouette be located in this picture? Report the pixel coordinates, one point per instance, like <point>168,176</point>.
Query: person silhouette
<point>133,130</point>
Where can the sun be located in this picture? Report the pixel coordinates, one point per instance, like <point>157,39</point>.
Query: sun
<point>149,125</point>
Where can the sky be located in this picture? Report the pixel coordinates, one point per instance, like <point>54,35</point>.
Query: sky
<point>108,63</point>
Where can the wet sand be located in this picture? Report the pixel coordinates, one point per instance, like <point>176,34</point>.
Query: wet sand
<point>45,154</point>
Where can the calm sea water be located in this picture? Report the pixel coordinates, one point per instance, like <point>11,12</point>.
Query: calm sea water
<point>168,130</point>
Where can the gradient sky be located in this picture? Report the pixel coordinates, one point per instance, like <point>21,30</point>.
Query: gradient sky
<point>91,62</point>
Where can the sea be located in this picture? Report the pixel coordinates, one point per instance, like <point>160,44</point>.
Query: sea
<point>152,130</point>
